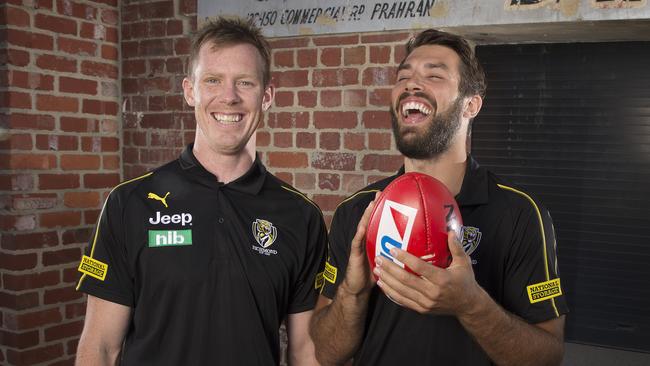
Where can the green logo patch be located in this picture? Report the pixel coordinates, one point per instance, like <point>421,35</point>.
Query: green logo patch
<point>169,238</point>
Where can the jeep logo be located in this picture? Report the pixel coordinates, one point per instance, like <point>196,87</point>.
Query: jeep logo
<point>182,218</point>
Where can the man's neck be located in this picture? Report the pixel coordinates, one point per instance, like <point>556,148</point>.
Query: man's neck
<point>448,167</point>
<point>226,168</point>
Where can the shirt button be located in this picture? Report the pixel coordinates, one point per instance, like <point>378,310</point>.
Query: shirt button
<point>220,220</point>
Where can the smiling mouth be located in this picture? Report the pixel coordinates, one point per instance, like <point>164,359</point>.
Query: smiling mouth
<point>227,118</point>
<point>414,112</point>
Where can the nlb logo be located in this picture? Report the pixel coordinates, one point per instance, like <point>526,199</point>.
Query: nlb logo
<point>395,226</point>
<point>166,238</point>
<point>182,218</point>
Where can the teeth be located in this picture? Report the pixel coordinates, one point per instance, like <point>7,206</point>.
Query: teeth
<point>227,118</point>
<point>415,105</point>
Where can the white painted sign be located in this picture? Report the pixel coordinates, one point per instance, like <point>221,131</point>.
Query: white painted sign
<point>278,18</point>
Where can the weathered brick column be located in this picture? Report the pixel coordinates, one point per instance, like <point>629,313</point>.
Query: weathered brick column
<point>59,156</point>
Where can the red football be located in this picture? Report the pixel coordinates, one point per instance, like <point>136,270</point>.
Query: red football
<point>413,213</point>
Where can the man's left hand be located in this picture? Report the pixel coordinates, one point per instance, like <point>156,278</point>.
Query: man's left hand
<point>452,290</point>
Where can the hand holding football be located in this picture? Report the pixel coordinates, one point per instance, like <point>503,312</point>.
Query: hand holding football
<point>413,213</point>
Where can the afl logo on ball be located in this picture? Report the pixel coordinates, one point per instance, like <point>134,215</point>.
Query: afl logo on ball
<point>395,227</point>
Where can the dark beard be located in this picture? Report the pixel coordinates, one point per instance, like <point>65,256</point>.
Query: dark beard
<point>434,140</point>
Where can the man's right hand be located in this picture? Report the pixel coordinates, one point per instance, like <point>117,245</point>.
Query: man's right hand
<point>337,324</point>
<point>358,278</point>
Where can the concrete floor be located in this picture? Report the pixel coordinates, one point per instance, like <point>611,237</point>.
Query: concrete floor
<point>583,355</point>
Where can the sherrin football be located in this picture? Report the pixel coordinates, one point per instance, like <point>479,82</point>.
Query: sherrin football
<point>413,213</point>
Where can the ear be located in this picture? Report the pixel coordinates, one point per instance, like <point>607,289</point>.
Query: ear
<point>473,106</point>
<point>188,91</point>
<point>269,95</point>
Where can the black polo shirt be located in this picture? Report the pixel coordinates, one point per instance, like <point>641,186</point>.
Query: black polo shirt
<point>210,269</point>
<point>509,237</point>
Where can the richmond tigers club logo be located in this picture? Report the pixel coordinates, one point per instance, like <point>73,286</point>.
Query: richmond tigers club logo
<point>471,237</point>
<point>264,232</point>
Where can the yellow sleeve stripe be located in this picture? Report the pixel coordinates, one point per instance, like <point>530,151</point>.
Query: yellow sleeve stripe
<point>303,196</point>
<point>356,194</point>
<point>92,248</point>
<point>541,228</point>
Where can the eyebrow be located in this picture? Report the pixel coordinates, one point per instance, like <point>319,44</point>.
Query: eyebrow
<point>429,65</point>
<point>221,74</point>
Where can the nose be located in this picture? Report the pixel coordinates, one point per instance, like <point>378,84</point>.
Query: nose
<point>229,94</point>
<point>413,83</point>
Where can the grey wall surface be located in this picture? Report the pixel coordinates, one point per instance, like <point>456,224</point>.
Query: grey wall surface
<point>279,18</point>
<point>584,355</point>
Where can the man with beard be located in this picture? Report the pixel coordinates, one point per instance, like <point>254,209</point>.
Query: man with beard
<point>481,309</point>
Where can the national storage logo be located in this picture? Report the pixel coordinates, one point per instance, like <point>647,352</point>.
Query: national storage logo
<point>544,290</point>
<point>169,238</point>
<point>93,267</point>
<point>330,272</point>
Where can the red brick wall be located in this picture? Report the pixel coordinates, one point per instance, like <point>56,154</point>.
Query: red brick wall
<point>91,95</point>
<point>328,133</point>
<point>156,121</point>
<point>59,156</point>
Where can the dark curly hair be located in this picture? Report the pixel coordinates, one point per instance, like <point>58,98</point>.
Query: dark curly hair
<point>472,77</point>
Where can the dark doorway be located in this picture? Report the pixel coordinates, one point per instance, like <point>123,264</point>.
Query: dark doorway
<point>571,124</point>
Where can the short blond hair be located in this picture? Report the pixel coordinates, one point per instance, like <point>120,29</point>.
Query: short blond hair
<point>228,32</point>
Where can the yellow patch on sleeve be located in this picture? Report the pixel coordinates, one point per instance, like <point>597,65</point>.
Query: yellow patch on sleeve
<point>319,281</point>
<point>544,290</point>
<point>330,272</point>
<point>93,268</point>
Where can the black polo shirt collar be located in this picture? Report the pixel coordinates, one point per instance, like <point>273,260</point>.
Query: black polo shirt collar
<point>251,182</point>
<point>474,190</point>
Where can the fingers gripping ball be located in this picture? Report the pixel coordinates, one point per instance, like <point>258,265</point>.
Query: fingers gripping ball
<point>413,213</point>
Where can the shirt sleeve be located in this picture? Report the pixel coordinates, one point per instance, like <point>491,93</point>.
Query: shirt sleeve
<point>338,253</point>
<point>533,289</point>
<point>305,294</point>
<point>104,266</point>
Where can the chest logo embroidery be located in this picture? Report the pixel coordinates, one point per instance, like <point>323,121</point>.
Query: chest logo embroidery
<point>264,232</point>
<point>153,196</point>
<point>169,238</point>
<point>471,237</point>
